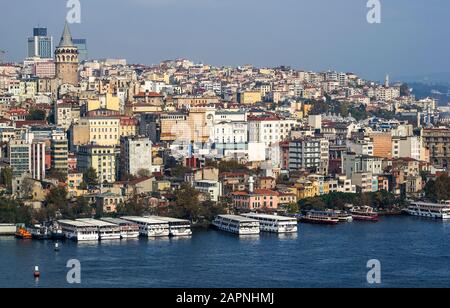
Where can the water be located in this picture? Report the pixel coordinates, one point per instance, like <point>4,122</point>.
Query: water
<point>413,253</point>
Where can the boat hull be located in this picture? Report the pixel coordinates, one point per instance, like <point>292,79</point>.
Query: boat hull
<point>426,214</point>
<point>319,221</point>
<point>365,218</point>
<point>235,231</point>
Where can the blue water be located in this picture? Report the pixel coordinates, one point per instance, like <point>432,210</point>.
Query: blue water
<point>413,253</point>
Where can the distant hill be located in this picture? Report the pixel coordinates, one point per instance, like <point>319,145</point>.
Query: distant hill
<point>430,79</point>
<point>441,92</point>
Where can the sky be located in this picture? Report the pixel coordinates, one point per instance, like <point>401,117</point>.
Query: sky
<point>412,38</point>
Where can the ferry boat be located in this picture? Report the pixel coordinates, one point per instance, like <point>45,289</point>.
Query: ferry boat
<point>341,215</point>
<point>237,224</point>
<point>177,227</point>
<point>274,223</point>
<point>319,217</point>
<point>429,210</point>
<point>106,230</point>
<point>149,227</point>
<point>128,229</point>
<point>364,213</point>
<point>39,232</point>
<point>79,231</point>
<point>22,233</point>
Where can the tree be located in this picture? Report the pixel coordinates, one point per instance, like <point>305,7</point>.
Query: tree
<point>142,173</point>
<point>90,177</point>
<point>292,208</point>
<point>6,178</point>
<point>36,115</point>
<point>438,189</point>
<point>82,209</point>
<point>133,207</point>
<point>57,201</point>
<point>26,189</point>
<point>13,211</point>
<point>57,174</point>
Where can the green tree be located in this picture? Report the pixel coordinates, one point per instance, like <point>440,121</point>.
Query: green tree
<point>142,173</point>
<point>57,174</point>
<point>187,204</point>
<point>90,177</point>
<point>292,208</point>
<point>36,115</point>
<point>438,189</point>
<point>82,209</point>
<point>13,211</point>
<point>6,178</point>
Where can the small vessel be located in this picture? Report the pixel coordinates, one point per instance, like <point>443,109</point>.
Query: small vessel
<point>364,213</point>
<point>429,210</point>
<point>56,232</point>
<point>23,233</point>
<point>56,247</point>
<point>320,217</point>
<point>39,232</point>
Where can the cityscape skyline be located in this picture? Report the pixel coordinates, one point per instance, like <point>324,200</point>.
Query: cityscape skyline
<point>357,44</point>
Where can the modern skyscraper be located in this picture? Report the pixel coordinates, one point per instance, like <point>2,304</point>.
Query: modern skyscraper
<point>66,56</point>
<point>81,44</point>
<point>40,44</point>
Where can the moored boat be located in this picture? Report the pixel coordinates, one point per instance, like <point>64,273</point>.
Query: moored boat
<point>56,232</point>
<point>364,213</point>
<point>237,224</point>
<point>429,210</point>
<point>319,217</point>
<point>341,215</point>
<point>23,233</point>
<point>39,232</point>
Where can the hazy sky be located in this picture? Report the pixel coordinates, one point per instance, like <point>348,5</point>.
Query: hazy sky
<point>308,34</point>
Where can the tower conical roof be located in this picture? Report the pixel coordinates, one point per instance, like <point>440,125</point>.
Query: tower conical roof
<point>66,38</point>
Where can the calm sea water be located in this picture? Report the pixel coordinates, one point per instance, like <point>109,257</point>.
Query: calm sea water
<point>413,253</point>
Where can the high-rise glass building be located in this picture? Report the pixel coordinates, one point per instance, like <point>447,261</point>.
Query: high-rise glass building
<point>81,44</point>
<point>40,44</point>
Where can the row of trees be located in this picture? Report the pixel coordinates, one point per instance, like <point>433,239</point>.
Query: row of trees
<point>380,200</point>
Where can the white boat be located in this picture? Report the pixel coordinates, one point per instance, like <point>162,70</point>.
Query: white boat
<point>128,229</point>
<point>106,230</point>
<point>177,227</point>
<point>274,223</point>
<point>149,227</point>
<point>78,230</point>
<point>429,210</point>
<point>237,224</point>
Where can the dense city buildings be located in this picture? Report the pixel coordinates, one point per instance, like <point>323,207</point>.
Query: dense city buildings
<point>244,137</point>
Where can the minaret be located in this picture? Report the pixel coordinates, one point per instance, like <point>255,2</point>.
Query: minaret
<point>66,57</point>
<point>386,81</point>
